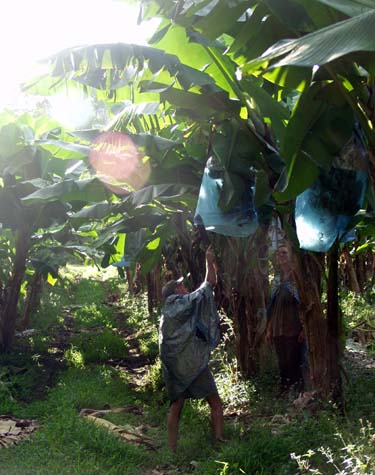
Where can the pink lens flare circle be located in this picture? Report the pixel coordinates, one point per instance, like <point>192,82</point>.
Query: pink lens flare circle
<point>118,162</point>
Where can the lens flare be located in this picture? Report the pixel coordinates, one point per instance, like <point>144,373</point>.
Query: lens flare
<point>118,162</point>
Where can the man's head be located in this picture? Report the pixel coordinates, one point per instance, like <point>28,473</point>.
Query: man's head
<point>173,287</point>
<point>282,255</point>
<point>284,259</point>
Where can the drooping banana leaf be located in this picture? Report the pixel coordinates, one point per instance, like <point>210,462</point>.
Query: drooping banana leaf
<point>322,46</point>
<point>64,150</point>
<point>94,212</point>
<point>165,192</point>
<point>213,18</point>
<point>113,66</point>
<point>291,14</point>
<point>87,190</point>
<point>350,7</point>
<point>267,107</point>
<point>319,127</point>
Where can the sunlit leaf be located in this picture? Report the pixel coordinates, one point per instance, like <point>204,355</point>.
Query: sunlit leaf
<point>51,280</point>
<point>325,45</point>
<point>153,245</point>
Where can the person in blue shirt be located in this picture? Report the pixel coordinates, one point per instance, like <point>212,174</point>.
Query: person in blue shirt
<point>188,331</point>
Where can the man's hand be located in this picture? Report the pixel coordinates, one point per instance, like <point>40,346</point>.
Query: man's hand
<point>211,258</point>
<point>210,255</point>
<point>211,266</point>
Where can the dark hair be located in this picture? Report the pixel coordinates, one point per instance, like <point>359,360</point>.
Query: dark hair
<point>170,287</point>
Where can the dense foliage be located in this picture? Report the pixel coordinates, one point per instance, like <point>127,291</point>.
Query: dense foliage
<point>271,89</point>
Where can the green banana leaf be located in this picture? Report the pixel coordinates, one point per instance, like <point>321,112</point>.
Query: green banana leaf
<point>64,150</point>
<point>113,66</point>
<point>164,192</point>
<point>322,46</point>
<point>88,190</point>
<point>95,212</point>
<point>350,7</point>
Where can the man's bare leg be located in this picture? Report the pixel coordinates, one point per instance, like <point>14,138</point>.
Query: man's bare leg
<point>173,422</point>
<point>217,416</point>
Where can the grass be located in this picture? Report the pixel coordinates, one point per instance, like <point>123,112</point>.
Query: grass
<point>96,348</point>
<point>64,367</point>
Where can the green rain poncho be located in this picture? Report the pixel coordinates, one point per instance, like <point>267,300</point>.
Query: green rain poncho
<point>189,330</point>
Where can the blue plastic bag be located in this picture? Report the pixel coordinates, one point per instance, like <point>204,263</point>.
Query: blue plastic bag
<point>240,221</point>
<point>324,211</point>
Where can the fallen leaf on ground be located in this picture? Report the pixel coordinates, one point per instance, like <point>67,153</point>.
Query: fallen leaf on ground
<point>131,434</point>
<point>13,430</point>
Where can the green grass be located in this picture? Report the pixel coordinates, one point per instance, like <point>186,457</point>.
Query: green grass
<point>96,348</point>
<point>67,443</point>
<point>60,369</point>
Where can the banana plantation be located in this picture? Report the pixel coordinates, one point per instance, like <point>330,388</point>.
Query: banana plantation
<point>244,124</point>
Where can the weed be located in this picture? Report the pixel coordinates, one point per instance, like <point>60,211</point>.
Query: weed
<point>348,457</point>
<point>149,343</point>
<point>153,380</point>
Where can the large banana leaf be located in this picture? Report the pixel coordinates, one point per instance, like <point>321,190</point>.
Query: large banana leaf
<point>149,219</point>
<point>267,107</point>
<point>13,213</point>
<point>291,14</point>
<point>350,7</point>
<point>152,145</point>
<point>259,32</point>
<point>95,212</point>
<point>166,192</point>
<point>88,190</point>
<point>128,112</point>
<point>64,150</point>
<point>221,18</point>
<point>319,127</point>
<point>201,106</point>
<point>151,253</point>
<point>213,18</point>
<point>113,66</point>
<point>12,140</point>
<point>323,46</point>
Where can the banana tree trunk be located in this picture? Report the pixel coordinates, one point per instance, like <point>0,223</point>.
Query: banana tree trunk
<point>245,288</point>
<point>191,253</point>
<point>370,265</point>
<point>348,271</point>
<point>248,315</point>
<point>129,278</point>
<point>154,289</point>
<point>308,278</point>
<point>8,312</point>
<point>321,333</point>
<point>32,299</point>
<point>334,325</point>
<point>361,270</point>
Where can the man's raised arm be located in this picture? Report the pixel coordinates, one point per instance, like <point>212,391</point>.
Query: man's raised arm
<point>211,266</point>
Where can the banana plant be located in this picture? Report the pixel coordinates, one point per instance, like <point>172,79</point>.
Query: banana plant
<point>335,47</point>
<point>28,223</point>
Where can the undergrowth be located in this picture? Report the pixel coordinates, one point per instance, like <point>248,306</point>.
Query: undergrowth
<point>72,361</point>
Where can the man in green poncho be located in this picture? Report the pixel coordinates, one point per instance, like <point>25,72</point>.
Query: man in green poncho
<point>189,330</point>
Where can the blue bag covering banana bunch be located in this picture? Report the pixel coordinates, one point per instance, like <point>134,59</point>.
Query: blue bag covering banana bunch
<point>324,211</point>
<point>226,199</point>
